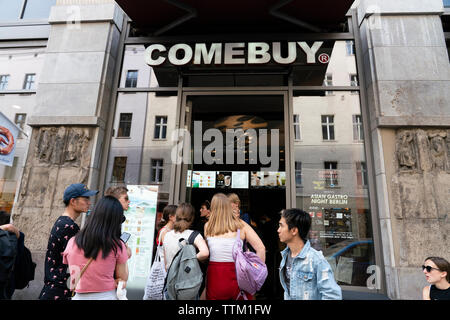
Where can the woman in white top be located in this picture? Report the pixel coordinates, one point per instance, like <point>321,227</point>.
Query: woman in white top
<point>183,219</point>
<point>220,232</point>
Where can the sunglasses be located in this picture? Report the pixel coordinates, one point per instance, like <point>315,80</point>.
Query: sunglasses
<point>429,268</point>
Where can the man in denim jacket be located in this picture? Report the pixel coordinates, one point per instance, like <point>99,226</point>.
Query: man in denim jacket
<point>304,272</point>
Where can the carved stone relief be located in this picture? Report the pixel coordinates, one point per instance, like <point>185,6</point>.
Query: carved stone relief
<point>420,192</point>
<point>406,152</point>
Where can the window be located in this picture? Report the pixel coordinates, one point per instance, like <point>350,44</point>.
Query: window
<point>19,119</point>
<point>4,81</point>
<point>328,82</point>
<point>157,170</point>
<point>350,48</point>
<point>37,9</point>
<point>125,125</point>
<point>361,174</point>
<point>354,82</point>
<point>331,174</point>
<point>10,172</point>
<point>297,135</point>
<point>10,9</point>
<point>298,173</point>
<point>446,3</point>
<point>29,81</point>
<point>160,127</point>
<point>358,133</point>
<point>131,81</point>
<point>328,127</point>
<point>120,165</point>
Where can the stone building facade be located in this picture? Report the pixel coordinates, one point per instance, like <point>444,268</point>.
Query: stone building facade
<point>405,88</point>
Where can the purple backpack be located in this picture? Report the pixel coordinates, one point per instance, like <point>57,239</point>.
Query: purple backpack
<point>251,272</point>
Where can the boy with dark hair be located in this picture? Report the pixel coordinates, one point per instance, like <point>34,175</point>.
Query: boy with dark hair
<point>76,198</point>
<point>305,274</point>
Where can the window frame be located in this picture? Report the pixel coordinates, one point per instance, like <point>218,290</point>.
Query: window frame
<point>358,130</point>
<point>156,165</point>
<point>329,126</point>
<point>26,82</point>
<point>3,83</point>
<point>20,124</point>
<point>116,167</point>
<point>329,178</point>
<point>124,122</point>
<point>297,126</point>
<point>133,80</point>
<point>160,125</point>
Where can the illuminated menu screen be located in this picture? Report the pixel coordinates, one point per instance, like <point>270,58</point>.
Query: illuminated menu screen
<point>203,179</point>
<point>239,179</point>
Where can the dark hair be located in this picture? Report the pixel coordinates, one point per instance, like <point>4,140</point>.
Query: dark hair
<point>442,264</point>
<point>296,218</point>
<point>207,204</point>
<point>184,217</point>
<point>102,230</point>
<point>5,217</point>
<point>168,211</point>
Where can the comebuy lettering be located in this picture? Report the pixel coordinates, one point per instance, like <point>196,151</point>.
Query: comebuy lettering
<point>229,53</point>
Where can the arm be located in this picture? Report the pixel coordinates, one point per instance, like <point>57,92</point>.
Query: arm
<point>426,293</point>
<point>121,269</point>
<point>327,286</point>
<point>203,251</point>
<point>252,237</point>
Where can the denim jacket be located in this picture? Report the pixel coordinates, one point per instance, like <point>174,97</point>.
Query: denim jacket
<point>311,276</point>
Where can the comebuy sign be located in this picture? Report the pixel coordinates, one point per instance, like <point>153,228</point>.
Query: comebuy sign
<point>235,53</point>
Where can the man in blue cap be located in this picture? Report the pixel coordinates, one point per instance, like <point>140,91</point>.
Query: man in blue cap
<point>76,199</point>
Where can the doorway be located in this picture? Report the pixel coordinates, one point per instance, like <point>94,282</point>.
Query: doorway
<point>238,145</point>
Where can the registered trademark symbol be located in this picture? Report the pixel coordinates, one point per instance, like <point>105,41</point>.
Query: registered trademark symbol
<point>324,58</point>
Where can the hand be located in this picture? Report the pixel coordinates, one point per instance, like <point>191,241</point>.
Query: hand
<point>10,228</point>
<point>117,283</point>
<point>128,251</point>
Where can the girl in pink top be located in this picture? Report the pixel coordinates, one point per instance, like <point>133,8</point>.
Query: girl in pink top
<point>100,240</point>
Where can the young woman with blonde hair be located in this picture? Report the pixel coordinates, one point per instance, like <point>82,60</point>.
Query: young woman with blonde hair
<point>221,232</point>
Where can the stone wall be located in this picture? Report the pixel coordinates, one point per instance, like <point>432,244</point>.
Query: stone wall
<point>420,189</point>
<point>57,157</point>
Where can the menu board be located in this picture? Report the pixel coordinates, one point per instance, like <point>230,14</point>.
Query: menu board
<point>223,179</point>
<point>189,178</point>
<point>140,223</point>
<point>239,179</point>
<point>268,179</point>
<point>203,179</point>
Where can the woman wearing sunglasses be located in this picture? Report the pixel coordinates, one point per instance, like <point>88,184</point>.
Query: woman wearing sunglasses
<point>437,273</point>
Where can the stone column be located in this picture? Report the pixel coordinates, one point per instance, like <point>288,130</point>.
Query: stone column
<point>73,102</point>
<point>408,84</point>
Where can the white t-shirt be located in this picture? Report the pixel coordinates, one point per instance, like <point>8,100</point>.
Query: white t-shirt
<point>171,244</point>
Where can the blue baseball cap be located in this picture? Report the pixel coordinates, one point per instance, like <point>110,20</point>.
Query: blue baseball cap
<point>78,190</point>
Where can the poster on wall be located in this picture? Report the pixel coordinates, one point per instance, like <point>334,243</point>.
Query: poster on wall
<point>140,223</point>
<point>268,179</point>
<point>203,179</point>
<point>239,179</point>
<point>8,139</point>
<point>223,179</point>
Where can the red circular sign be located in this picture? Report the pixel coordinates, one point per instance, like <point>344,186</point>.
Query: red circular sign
<point>324,58</point>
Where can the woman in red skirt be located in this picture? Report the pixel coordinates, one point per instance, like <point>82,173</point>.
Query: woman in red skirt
<point>220,233</point>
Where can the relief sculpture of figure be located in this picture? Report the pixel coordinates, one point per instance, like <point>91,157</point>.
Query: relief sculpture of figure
<point>438,151</point>
<point>405,151</point>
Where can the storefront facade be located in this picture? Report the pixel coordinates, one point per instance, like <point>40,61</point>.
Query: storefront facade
<point>334,109</point>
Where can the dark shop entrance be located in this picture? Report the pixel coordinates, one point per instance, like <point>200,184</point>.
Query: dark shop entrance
<point>238,146</point>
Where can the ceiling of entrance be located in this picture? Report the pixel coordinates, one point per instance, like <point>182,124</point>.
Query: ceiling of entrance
<point>178,17</point>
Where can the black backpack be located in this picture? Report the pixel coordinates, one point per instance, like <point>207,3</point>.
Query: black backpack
<point>24,269</point>
<point>8,252</point>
